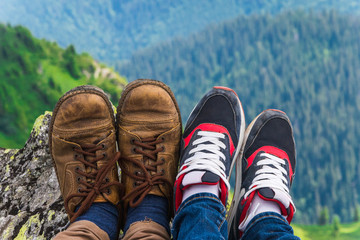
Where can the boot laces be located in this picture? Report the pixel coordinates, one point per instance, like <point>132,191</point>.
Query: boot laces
<point>95,180</point>
<point>272,174</point>
<point>148,176</point>
<point>207,155</point>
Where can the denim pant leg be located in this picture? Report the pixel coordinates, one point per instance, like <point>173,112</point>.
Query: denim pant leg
<point>269,225</point>
<point>201,216</point>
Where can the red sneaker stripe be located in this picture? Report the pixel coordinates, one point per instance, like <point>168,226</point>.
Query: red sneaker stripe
<point>291,215</point>
<point>274,151</point>
<point>248,201</point>
<point>226,89</point>
<point>223,192</point>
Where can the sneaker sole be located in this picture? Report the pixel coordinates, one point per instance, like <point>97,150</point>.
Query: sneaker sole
<point>237,155</point>
<point>237,190</point>
<point>238,149</point>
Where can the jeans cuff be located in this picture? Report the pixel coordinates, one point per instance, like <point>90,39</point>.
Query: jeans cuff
<point>262,216</point>
<point>200,197</point>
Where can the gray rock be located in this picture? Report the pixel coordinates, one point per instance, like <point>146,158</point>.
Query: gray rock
<point>31,206</point>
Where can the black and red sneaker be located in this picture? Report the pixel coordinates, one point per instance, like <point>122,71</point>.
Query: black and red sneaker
<point>268,165</point>
<point>211,143</point>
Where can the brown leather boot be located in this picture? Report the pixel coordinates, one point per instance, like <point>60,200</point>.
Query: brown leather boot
<point>149,133</point>
<point>82,139</point>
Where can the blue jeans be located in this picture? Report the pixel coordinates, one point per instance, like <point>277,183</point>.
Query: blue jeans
<point>202,216</point>
<point>269,225</point>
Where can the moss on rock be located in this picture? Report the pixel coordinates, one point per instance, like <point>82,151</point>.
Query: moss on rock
<point>31,206</point>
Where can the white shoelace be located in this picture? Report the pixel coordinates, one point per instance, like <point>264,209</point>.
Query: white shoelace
<point>271,175</point>
<point>207,155</point>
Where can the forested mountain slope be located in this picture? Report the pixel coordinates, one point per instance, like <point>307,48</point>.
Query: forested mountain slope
<point>34,74</point>
<point>112,30</point>
<point>307,64</point>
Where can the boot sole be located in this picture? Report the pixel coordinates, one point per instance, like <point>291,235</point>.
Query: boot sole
<point>237,163</point>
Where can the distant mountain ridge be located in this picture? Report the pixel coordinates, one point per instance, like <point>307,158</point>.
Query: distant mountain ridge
<point>113,30</point>
<point>306,64</point>
<point>35,73</point>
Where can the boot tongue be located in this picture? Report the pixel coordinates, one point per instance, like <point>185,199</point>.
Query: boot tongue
<point>148,161</point>
<point>84,139</point>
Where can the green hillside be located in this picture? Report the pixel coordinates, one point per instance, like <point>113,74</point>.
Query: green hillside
<point>34,74</point>
<point>113,30</point>
<point>306,64</point>
<point>314,232</point>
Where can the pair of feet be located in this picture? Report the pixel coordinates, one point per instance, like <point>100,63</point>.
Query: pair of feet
<point>84,136</point>
<point>215,140</point>
<point>87,142</point>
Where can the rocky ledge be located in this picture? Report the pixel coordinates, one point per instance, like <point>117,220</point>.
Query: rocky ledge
<point>31,206</point>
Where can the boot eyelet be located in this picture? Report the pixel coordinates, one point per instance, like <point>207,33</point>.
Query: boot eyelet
<point>103,146</point>
<point>107,180</point>
<point>104,155</point>
<point>78,179</point>
<point>76,156</point>
<point>79,190</point>
<point>163,138</point>
<point>132,141</point>
<point>162,160</point>
<point>163,148</point>
<point>77,169</point>
<point>108,191</point>
<point>133,150</point>
<point>162,172</point>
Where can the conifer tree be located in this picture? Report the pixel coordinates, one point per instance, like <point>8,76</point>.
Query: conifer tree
<point>324,216</point>
<point>336,226</point>
<point>357,213</point>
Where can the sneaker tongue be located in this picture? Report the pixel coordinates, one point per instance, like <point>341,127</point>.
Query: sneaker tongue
<point>277,196</point>
<point>200,177</point>
<point>267,193</point>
